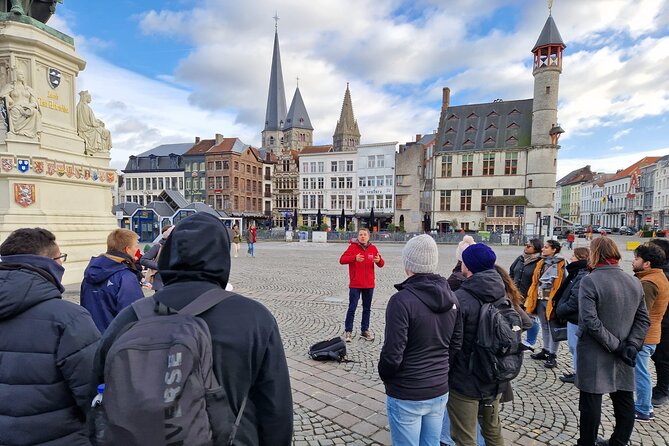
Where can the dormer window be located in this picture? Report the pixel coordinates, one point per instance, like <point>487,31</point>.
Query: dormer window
<point>512,141</point>
<point>472,115</point>
<point>491,127</point>
<point>492,114</point>
<point>490,140</point>
<point>471,128</point>
<point>468,142</point>
<point>515,111</point>
<point>452,117</point>
<point>450,130</point>
<point>513,125</point>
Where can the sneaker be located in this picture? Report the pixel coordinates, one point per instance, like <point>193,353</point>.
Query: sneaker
<point>348,336</point>
<point>644,418</point>
<point>660,400</point>
<point>568,378</point>
<point>551,362</point>
<point>543,354</point>
<point>368,335</point>
<point>602,442</point>
<point>528,345</point>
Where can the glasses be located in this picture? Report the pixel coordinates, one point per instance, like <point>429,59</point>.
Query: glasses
<point>62,257</point>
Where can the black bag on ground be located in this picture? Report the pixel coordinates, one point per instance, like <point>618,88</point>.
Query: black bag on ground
<point>497,355</point>
<point>332,350</point>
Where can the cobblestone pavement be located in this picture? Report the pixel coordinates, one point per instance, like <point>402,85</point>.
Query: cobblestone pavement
<point>306,289</point>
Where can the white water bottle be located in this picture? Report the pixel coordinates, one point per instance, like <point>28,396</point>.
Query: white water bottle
<point>98,414</point>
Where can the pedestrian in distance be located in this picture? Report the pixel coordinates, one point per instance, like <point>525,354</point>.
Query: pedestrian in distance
<point>566,303</point>
<point>249,363</point>
<point>361,256</point>
<point>613,323</point>
<point>236,240</point>
<point>547,279</point>
<point>47,346</point>
<point>150,260</point>
<point>647,266</point>
<point>423,330</point>
<point>251,238</point>
<point>112,280</point>
<point>661,355</point>
<point>522,271</point>
<point>570,240</point>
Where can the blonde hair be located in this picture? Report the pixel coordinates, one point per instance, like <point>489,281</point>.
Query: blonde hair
<point>119,239</point>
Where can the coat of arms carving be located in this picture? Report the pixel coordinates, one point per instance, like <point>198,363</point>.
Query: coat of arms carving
<point>7,164</point>
<point>50,168</point>
<point>54,77</point>
<point>23,165</point>
<point>38,167</point>
<point>24,194</point>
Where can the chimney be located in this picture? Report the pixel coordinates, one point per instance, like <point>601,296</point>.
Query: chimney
<point>219,138</point>
<point>197,139</point>
<point>446,99</point>
<point>418,137</point>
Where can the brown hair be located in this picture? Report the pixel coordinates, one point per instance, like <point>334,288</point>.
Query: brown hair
<point>602,249</point>
<point>581,253</point>
<point>119,239</point>
<point>510,287</point>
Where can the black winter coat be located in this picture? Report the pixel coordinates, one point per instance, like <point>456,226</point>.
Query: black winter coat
<point>423,331</point>
<point>565,300</point>
<point>485,286</point>
<point>46,357</point>
<point>521,273</point>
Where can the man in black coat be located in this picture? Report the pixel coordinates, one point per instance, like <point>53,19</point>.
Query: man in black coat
<point>247,350</point>
<point>472,399</point>
<point>47,346</point>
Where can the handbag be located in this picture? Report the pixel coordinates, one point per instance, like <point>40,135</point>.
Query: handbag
<point>558,330</point>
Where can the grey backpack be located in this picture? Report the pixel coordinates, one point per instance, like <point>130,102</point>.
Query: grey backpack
<point>160,387</point>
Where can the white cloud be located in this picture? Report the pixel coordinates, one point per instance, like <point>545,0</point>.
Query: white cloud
<point>617,148</point>
<point>616,136</point>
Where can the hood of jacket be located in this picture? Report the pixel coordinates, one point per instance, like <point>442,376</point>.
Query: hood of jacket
<point>432,289</point>
<point>102,267</point>
<point>197,250</point>
<point>487,286</point>
<point>26,283</point>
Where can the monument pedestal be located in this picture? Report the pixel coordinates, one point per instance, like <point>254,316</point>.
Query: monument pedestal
<point>47,181</point>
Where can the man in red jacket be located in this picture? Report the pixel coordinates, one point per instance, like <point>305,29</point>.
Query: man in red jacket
<point>360,257</point>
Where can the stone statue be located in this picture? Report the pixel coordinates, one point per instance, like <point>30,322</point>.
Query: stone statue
<point>41,10</point>
<point>25,116</point>
<point>96,137</point>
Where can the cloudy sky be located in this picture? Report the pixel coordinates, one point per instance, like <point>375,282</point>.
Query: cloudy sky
<point>165,72</point>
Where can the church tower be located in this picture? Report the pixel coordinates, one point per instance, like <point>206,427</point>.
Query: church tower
<point>347,135</point>
<point>297,130</point>
<point>272,135</point>
<point>542,156</point>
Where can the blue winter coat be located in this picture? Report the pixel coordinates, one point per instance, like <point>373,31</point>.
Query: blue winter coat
<point>109,286</point>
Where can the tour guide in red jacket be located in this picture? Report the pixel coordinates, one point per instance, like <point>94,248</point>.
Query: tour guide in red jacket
<point>360,258</point>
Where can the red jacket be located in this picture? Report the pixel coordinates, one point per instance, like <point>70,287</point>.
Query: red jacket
<point>361,274</point>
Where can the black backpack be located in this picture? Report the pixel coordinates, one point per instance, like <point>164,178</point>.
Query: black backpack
<point>334,349</point>
<point>497,355</point>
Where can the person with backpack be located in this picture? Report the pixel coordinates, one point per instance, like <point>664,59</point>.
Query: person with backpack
<point>47,345</point>
<point>237,347</point>
<point>112,280</point>
<point>546,280</point>
<point>521,271</point>
<point>612,324</point>
<point>474,396</point>
<point>423,331</point>
<point>150,260</point>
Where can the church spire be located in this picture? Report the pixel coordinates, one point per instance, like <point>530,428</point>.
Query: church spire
<point>276,97</point>
<point>347,135</point>
<point>297,114</point>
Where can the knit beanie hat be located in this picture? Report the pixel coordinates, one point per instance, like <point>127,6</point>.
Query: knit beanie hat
<point>466,242</point>
<point>479,257</point>
<point>420,255</point>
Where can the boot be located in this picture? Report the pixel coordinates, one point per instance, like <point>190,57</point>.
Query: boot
<point>543,354</point>
<point>551,362</point>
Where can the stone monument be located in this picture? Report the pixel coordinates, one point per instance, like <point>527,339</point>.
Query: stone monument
<point>54,155</point>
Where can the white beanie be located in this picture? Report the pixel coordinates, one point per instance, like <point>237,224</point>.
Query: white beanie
<point>466,242</point>
<point>420,255</point>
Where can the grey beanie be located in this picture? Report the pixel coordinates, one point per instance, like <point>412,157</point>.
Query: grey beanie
<point>420,255</point>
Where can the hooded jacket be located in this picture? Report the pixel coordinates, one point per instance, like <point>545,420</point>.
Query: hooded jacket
<point>46,356</point>
<point>110,284</point>
<point>522,270</point>
<point>361,274</point>
<point>423,331</point>
<point>247,349</point>
<point>656,295</point>
<point>566,299</point>
<point>483,287</point>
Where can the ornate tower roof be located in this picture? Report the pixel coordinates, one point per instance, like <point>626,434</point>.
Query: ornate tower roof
<point>549,35</point>
<point>347,133</point>
<point>297,115</point>
<point>276,98</point>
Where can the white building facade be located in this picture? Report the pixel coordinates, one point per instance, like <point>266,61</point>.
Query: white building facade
<point>376,183</point>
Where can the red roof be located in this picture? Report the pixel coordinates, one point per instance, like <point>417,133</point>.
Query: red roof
<point>224,146</point>
<point>635,167</point>
<point>316,149</point>
<point>201,147</point>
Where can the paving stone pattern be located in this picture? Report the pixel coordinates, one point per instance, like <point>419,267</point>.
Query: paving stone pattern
<point>305,287</point>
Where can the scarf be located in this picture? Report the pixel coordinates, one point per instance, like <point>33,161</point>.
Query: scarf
<point>550,273</point>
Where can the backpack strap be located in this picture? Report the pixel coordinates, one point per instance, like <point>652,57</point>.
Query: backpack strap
<point>206,301</point>
<point>145,308</point>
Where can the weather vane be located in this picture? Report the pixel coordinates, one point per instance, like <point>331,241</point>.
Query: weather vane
<point>298,81</point>
<point>276,20</point>
<point>550,7</point>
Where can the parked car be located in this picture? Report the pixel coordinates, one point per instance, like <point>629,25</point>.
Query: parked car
<point>601,229</point>
<point>561,231</point>
<point>579,230</point>
<point>628,230</point>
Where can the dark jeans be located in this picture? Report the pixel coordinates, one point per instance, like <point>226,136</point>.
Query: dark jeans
<point>353,298</point>
<point>661,359</point>
<point>590,406</point>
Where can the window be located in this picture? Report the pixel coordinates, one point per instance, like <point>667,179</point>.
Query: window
<point>349,182</point>
<point>389,202</point>
<point>466,200</point>
<point>312,166</point>
<point>342,182</point>
<point>333,183</point>
<point>371,181</point>
<point>333,166</point>
<point>445,200</point>
<point>248,168</point>
<point>446,166</point>
<point>187,167</point>
<point>160,183</point>
<point>511,163</point>
<point>312,183</point>
<point>140,184</point>
<point>305,201</point>
<point>349,166</point>
<point>485,194</point>
<point>399,180</point>
<point>236,183</point>
<point>321,182</point>
<point>236,167</point>
<point>499,211</point>
<point>379,181</point>
<point>218,183</point>
<point>219,165</point>
<point>371,162</point>
<point>349,201</point>
<point>312,201</point>
<point>467,165</point>
<point>181,183</point>
<point>489,163</point>
<point>361,181</point>
<point>361,203</point>
<point>342,166</point>
<point>530,183</point>
<point>321,167</point>
<point>508,211</point>
<point>248,185</point>
<point>211,182</point>
<point>509,191</point>
<point>491,211</point>
<point>210,165</point>
<point>333,202</point>
<point>398,202</point>
<point>305,183</point>
<point>202,167</point>
<point>380,161</point>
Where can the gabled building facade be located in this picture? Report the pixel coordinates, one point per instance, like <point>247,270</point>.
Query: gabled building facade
<point>195,170</point>
<point>413,169</point>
